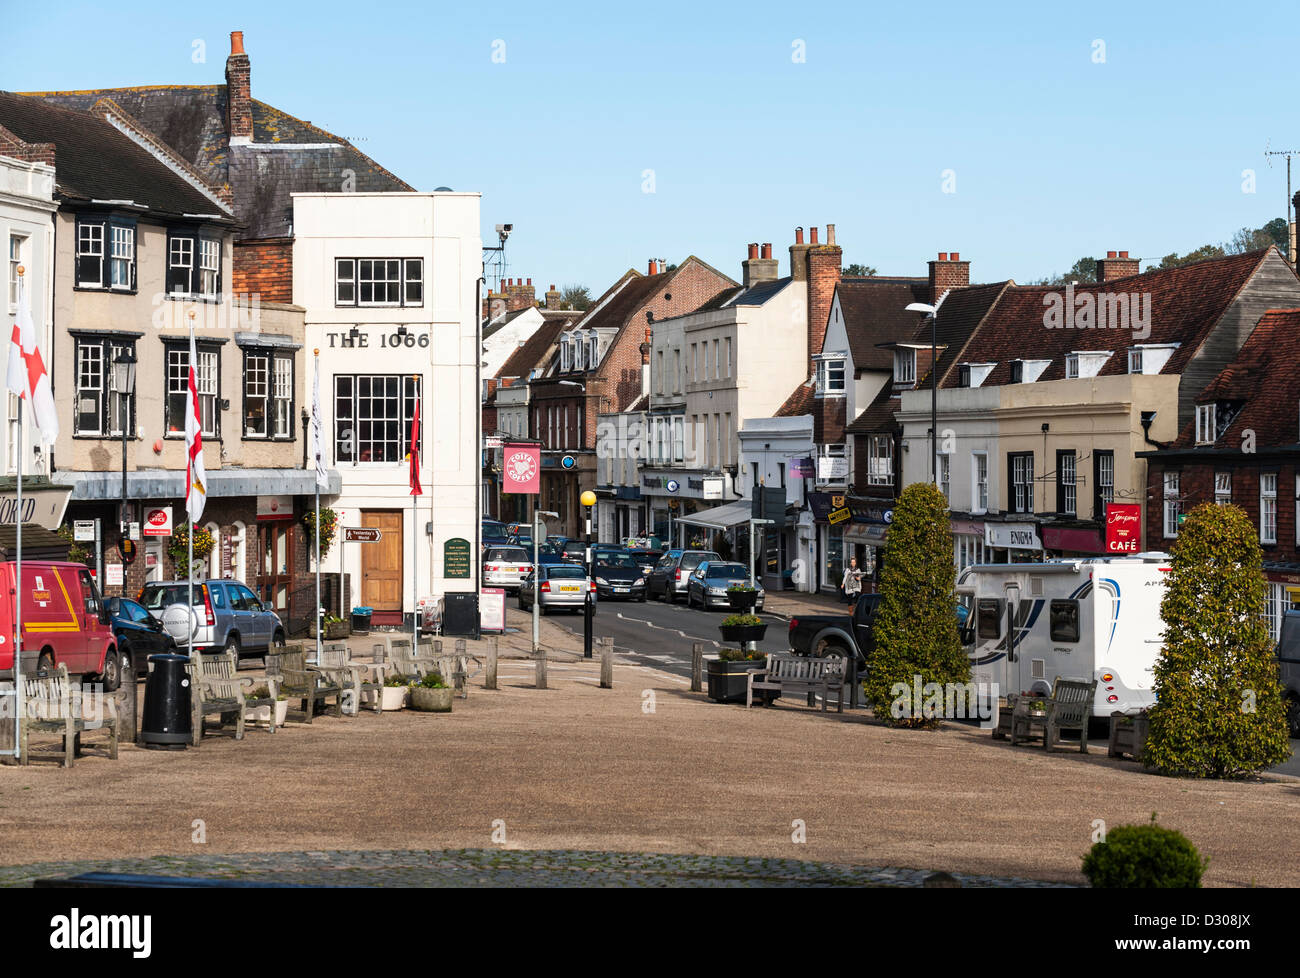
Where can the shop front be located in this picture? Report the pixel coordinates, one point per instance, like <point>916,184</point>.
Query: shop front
<point>1012,542</point>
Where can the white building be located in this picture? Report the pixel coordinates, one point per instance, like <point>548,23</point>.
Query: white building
<point>390,285</point>
<point>27,229</point>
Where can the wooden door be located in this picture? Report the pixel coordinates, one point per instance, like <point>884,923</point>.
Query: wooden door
<point>381,562</point>
<point>275,542</point>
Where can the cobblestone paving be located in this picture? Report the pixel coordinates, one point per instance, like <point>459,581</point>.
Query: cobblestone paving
<point>503,868</point>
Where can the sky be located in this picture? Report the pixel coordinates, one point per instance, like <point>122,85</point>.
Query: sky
<point>1022,135</point>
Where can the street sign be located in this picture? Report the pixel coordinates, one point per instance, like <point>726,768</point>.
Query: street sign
<point>839,515</point>
<point>113,575</point>
<point>158,521</point>
<point>493,441</point>
<point>361,534</point>
<point>127,549</point>
<point>83,531</point>
<point>568,461</point>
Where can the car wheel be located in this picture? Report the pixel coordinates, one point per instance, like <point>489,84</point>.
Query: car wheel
<point>45,664</point>
<point>837,652</point>
<point>1293,715</point>
<point>541,611</point>
<point>232,645</point>
<point>277,645</point>
<point>111,677</point>
<point>670,595</point>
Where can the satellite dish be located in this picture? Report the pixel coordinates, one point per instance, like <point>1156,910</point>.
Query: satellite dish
<point>180,622</point>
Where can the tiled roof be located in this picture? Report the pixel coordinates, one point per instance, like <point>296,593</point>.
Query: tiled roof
<point>534,351</point>
<point>1263,375</point>
<point>960,319</point>
<point>641,403</point>
<point>502,321</point>
<point>622,304</point>
<point>799,402</point>
<point>755,295</point>
<point>1186,303</point>
<point>191,119</point>
<point>878,415</point>
<point>95,161</point>
<point>875,311</point>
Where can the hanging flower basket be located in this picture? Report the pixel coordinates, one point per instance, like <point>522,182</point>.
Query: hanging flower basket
<point>328,524</point>
<point>178,545</point>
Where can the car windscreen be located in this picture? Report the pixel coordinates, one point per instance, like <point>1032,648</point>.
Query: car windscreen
<point>565,571</point>
<point>509,554</point>
<point>726,570</point>
<point>694,560</point>
<point>158,598</point>
<point>619,560</point>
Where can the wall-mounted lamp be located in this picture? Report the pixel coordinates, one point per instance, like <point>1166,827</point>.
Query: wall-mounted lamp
<point>1046,427</point>
<point>401,331</point>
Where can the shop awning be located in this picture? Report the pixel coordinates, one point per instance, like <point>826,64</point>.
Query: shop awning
<point>170,483</point>
<point>721,517</point>
<point>867,533</point>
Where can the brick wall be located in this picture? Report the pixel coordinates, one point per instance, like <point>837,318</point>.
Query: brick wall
<point>264,267</point>
<point>14,148</point>
<point>823,275</point>
<point>829,420</point>
<point>949,272</point>
<point>239,99</point>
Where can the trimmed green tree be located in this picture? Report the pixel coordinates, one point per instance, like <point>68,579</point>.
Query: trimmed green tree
<point>916,641</point>
<point>1219,710</point>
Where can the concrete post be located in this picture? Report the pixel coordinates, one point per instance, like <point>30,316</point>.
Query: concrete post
<point>697,667</point>
<point>607,662</point>
<point>490,672</point>
<point>539,667</point>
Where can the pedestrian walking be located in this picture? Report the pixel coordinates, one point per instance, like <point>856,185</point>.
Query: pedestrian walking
<point>852,583</point>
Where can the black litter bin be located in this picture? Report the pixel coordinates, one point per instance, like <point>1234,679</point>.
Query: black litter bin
<point>166,722</point>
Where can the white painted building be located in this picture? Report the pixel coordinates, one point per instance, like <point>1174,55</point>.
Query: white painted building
<point>27,230</point>
<point>389,282</point>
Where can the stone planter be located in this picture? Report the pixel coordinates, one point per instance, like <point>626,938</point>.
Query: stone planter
<point>431,700</point>
<point>262,714</point>
<point>1128,734</point>
<point>391,697</point>
<point>729,680</point>
<point>334,631</point>
<point>742,600</point>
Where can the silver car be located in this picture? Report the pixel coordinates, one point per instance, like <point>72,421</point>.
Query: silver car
<point>557,586</point>
<point>230,617</point>
<point>506,567</point>
<point>707,586</point>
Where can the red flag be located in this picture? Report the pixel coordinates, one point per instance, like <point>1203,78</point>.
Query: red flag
<point>415,446</point>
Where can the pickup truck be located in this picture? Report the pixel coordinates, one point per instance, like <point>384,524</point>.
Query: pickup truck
<point>829,636</point>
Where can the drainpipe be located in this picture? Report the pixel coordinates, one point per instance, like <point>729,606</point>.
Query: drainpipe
<point>477,553</point>
<point>1147,417</point>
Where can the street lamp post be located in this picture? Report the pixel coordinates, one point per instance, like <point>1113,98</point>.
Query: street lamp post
<point>933,312</point>
<point>124,380</point>
<point>588,500</point>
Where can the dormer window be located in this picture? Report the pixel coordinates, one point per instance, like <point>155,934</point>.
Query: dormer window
<point>1205,424</point>
<point>577,352</point>
<point>830,376</point>
<point>973,374</point>
<point>904,366</point>
<point>1017,371</point>
<point>1027,371</point>
<point>593,349</point>
<point>566,356</point>
<point>1085,364</point>
<point>1150,358</point>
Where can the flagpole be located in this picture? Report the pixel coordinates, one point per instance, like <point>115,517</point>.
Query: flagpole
<point>415,532</point>
<point>18,585</point>
<point>189,530</point>
<point>316,481</point>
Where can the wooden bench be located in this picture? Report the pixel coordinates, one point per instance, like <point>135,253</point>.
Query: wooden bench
<point>404,660</point>
<point>337,664</point>
<point>50,705</point>
<point>1068,708</point>
<point>1128,734</point>
<point>300,681</point>
<point>787,672</point>
<point>214,688</point>
<point>453,666</point>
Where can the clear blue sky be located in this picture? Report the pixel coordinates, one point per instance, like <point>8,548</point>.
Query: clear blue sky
<point>1055,155</point>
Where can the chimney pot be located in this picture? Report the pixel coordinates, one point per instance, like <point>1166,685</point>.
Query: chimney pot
<point>1123,254</point>
<point>552,289</point>
<point>943,256</point>
<point>798,235</point>
<point>1111,254</point>
<point>812,235</point>
<point>753,252</point>
<point>955,256</point>
<point>767,249</point>
<point>830,234</point>
<point>530,281</point>
<point>236,42</point>
<point>650,267</point>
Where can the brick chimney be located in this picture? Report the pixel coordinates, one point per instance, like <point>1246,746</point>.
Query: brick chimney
<point>239,99</point>
<point>1116,265</point>
<point>949,272</point>
<point>824,267</point>
<point>520,295</point>
<point>755,269</point>
<point>553,298</point>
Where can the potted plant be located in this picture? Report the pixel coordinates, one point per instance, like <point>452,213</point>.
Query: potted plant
<point>728,674</point>
<point>396,691</point>
<point>742,597</point>
<point>742,628</point>
<point>431,694</point>
<point>262,714</point>
<point>335,628</point>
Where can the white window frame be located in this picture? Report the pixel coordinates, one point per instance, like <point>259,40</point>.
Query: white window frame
<point>178,378</point>
<point>1205,422</point>
<point>1172,503</point>
<point>209,267</point>
<point>1022,483</point>
<point>1069,482</point>
<point>1135,360</point>
<point>880,460</point>
<point>1223,488</point>
<point>90,242</point>
<point>904,366</point>
<point>831,373</point>
<point>1072,366</point>
<point>979,481</point>
<point>409,272</point>
<point>1268,507</point>
<point>17,254</point>
<point>593,351</point>
<point>945,476</point>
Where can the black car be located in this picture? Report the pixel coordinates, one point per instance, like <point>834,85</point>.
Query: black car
<point>138,633</point>
<point>671,573</point>
<point>646,559</point>
<point>617,575</point>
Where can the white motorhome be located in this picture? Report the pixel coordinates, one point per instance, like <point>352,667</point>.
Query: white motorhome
<point>1088,618</point>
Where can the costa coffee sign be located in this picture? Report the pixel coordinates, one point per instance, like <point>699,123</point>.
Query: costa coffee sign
<point>1123,528</point>
<point>521,468</point>
<point>157,522</point>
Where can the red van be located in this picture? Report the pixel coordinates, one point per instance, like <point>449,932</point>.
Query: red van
<point>64,620</point>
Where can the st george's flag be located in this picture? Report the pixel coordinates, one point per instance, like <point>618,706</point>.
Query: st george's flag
<point>27,376</point>
<point>196,479</point>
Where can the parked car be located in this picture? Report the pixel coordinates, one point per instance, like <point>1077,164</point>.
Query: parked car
<point>574,550</point>
<point>556,586</point>
<point>64,620</point>
<point>1288,659</point>
<point>506,567</point>
<point>708,583</point>
<point>669,577</point>
<point>550,553</point>
<point>617,575</point>
<point>828,636</point>
<point>138,633</point>
<point>231,618</point>
<point>493,534</point>
<point>646,559</point>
